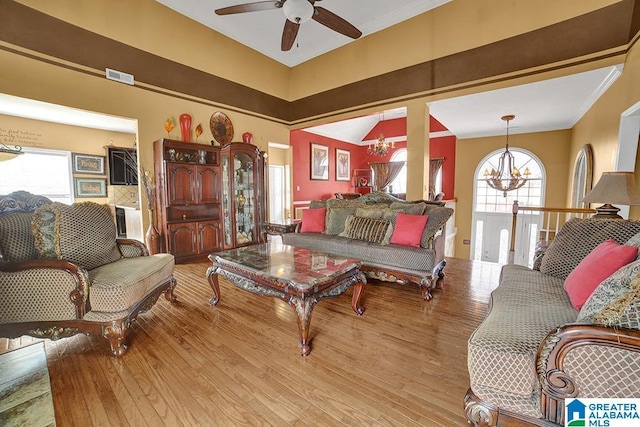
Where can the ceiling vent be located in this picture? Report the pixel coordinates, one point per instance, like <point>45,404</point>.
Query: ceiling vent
<point>119,76</point>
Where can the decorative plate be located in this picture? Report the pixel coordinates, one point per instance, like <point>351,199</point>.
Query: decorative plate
<point>221,127</point>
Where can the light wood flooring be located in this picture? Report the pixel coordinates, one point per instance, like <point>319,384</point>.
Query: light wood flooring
<point>403,362</point>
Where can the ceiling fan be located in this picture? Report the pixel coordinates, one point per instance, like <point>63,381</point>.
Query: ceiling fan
<point>297,12</point>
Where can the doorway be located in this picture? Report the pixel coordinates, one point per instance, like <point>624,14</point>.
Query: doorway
<point>492,210</point>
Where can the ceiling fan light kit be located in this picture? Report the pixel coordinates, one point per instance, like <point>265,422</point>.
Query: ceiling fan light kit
<point>298,11</point>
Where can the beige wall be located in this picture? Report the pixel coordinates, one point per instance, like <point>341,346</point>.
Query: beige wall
<point>600,125</point>
<point>23,77</point>
<point>163,32</point>
<point>454,27</point>
<point>552,148</point>
<point>54,136</point>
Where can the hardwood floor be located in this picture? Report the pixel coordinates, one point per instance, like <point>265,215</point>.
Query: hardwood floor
<point>403,362</point>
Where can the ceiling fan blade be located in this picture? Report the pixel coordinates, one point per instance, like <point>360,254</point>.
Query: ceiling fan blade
<point>333,21</point>
<point>289,34</point>
<point>250,7</point>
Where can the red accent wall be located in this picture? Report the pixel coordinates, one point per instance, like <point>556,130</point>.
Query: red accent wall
<point>315,190</point>
<point>445,147</point>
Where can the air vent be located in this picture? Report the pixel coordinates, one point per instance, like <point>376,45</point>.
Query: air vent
<point>119,76</point>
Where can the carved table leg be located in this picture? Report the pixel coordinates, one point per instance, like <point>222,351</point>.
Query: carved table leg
<point>303,308</point>
<point>212,277</point>
<point>355,299</point>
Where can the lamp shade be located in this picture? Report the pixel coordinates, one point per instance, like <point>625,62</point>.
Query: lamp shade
<point>614,188</point>
<point>298,11</point>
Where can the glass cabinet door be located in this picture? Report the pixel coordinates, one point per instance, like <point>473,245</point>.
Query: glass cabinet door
<point>226,202</point>
<point>245,202</point>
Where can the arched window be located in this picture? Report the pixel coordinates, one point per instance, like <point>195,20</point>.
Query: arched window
<point>399,185</point>
<point>491,200</point>
<point>582,176</point>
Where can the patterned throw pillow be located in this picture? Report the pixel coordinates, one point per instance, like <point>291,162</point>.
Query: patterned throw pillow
<point>408,208</point>
<point>438,216</point>
<point>16,239</point>
<point>615,301</point>
<point>336,219</point>
<point>82,233</point>
<point>367,229</point>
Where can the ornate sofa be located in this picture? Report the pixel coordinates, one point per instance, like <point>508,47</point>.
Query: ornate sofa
<point>382,260</point>
<point>63,272</point>
<point>534,349</point>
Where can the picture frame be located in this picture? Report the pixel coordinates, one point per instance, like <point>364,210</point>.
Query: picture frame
<point>88,163</point>
<point>343,165</point>
<point>90,187</point>
<point>319,162</point>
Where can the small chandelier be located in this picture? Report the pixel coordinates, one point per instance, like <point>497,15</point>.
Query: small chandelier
<point>381,147</point>
<point>507,177</point>
<point>8,153</point>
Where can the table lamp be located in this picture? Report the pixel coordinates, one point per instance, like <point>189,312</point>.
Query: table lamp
<point>613,187</point>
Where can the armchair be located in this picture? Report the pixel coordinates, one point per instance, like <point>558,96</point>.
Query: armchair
<point>63,272</point>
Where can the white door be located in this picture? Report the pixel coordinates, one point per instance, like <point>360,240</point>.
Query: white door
<point>277,204</point>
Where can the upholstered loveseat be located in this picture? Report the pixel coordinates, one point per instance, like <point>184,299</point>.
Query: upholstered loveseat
<point>364,227</point>
<point>535,349</point>
<point>63,272</point>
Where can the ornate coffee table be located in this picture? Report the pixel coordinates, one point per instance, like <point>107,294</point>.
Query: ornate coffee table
<point>301,277</point>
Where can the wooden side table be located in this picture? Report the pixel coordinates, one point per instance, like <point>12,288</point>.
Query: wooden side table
<point>279,228</point>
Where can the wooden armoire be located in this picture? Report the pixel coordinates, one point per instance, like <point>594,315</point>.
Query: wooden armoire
<point>208,198</point>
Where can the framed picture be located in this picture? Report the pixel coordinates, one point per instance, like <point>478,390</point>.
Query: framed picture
<point>90,187</point>
<point>87,163</point>
<point>343,165</point>
<point>319,162</point>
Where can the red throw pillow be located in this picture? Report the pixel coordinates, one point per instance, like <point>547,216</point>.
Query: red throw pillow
<point>313,220</point>
<point>601,263</point>
<point>408,229</point>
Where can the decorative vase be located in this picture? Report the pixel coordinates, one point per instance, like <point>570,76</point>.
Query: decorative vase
<point>185,127</point>
<point>247,137</point>
<point>152,238</point>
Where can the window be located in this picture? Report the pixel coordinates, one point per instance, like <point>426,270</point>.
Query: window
<point>399,185</point>
<point>42,172</point>
<point>491,200</point>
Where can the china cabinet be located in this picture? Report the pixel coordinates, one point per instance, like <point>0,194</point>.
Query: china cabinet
<point>243,194</point>
<point>208,198</point>
<point>188,181</point>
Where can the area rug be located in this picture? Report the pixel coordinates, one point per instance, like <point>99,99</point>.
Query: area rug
<point>25,389</point>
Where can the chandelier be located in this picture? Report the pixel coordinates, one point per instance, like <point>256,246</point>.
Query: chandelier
<point>381,147</point>
<point>508,176</point>
<point>8,153</point>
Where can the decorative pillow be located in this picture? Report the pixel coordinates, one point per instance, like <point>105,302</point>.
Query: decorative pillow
<point>367,229</point>
<point>336,219</point>
<point>634,241</point>
<point>578,237</point>
<point>318,204</point>
<point>408,208</point>
<point>369,212</point>
<point>313,220</point>
<point>616,301</point>
<point>602,262</point>
<point>82,233</point>
<point>408,229</point>
<point>438,216</point>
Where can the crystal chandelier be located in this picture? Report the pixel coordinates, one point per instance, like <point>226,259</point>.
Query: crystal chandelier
<point>508,176</point>
<point>381,147</point>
